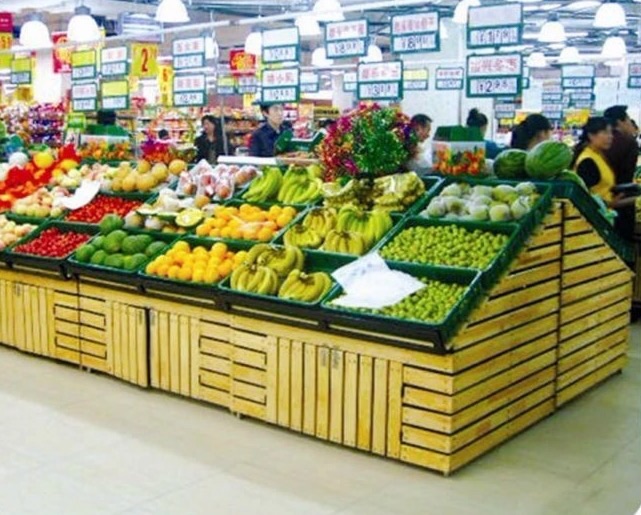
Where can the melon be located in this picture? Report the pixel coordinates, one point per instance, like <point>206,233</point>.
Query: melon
<point>570,176</point>
<point>510,164</point>
<point>547,160</point>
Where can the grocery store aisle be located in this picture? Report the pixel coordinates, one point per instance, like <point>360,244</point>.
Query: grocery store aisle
<point>75,443</point>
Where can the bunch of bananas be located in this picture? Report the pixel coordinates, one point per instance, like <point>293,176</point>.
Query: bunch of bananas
<point>282,260</point>
<point>373,225</point>
<point>301,236</point>
<point>266,186</point>
<point>321,220</point>
<point>345,242</point>
<point>305,287</point>
<point>300,186</point>
<point>255,279</point>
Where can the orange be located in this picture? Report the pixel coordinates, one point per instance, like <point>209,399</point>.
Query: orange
<point>218,223</point>
<point>182,245</point>
<point>245,208</point>
<point>202,230</point>
<point>214,233</point>
<point>181,257</point>
<point>185,273</point>
<point>265,234</point>
<point>225,232</point>
<point>212,276</point>
<point>173,272</point>
<point>218,249</point>
<point>283,220</point>
<point>236,233</point>
<point>235,223</point>
<point>224,269</point>
<point>151,268</point>
<point>275,212</point>
<point>200,251</point>
<point>270,224</point>
<point>289,210</point>
<point>250,231</point>
<point>240,256</point>
<point>162,270</point>
<point>199,275</point>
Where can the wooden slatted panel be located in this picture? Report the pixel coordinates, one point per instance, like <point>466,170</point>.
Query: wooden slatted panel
<point>589,381</point>
<point>249,375</point>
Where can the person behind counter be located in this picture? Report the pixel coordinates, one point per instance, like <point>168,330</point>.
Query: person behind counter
<point>477,119</point>
<point>209,144</point>
<point>531,131</point>
<point>421,124</point>
<point>264,138</point>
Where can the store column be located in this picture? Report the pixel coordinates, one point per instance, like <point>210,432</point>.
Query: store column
<point>47,85</point>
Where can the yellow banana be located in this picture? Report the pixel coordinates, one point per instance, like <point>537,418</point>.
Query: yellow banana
<point>256,251</point>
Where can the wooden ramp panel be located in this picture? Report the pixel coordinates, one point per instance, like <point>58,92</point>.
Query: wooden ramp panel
<point>595,302</point>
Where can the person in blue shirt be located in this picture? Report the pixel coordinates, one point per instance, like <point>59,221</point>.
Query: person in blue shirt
<point>477,119</point>
<point>263,139</point>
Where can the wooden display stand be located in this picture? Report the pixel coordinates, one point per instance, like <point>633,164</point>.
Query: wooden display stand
<point>555,325</point>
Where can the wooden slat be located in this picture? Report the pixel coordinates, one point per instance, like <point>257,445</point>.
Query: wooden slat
<point>67,342</point>
<point>96,350</point>
<point>596,377</point>
<point>91,319</point>
<point>394,409</point>
<point>213,396</point>
<point>586,306</point>
<point>174,353</point>
<point>515,300</point>
<point>67,314</point>
<point>284,371</point>
<point>428,380</point>
<point>184,341</point>
<point>93,305</point>
<point>93,334</point>
<point>322,397</point>
<point>424,458</point>
<point>215,347</point>
<point>36,321</point>
<point>590,273</point>
<point>537,257</point>
<point>296,387</point>
<point>66,300</point>
<point>379,415</point>
<point>249,357</point>
<point>220,365</point>
<point>587,367</point>
<point>154,349</point>
<point>61,327</point>
<point>592,351</point>
<point>51,334</point>
<point>577,226</point>
<point>216,332</point>
<point>271,388</point>
<point>194,348</point>
<point>597,317</point>
<point>546,237</point>
<point>350,403</point>
<point>215,380</point>
<point>248,392</point>
<point>94,363</point>
<point>250,409</point>
<point>71,356</point>
<point>522,279</point>
<point>336,380</point>
<point>578,259</point>
<point>581,340</point>
<point>581,242</point>
<point>257,342</point>
<point>142,357</point>
<point>248,375</point>
<point>163,338</point>
<point>309,389</point>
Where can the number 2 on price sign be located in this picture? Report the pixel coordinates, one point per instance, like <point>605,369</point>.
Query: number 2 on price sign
<point>145,62</point>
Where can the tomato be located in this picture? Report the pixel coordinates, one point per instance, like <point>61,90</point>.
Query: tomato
<point>100,206</point>
<point>53,243</point>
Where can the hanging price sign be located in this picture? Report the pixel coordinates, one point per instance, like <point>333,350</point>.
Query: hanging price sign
<point>350,82</point>
<point>21,70</point>
<point>226,86</point>
<point>504,109</point>
<point>188,53</point>
<point>495,25</point>
<point>280,86</point>
<point>309,82</point>
<point>450,78</point>
<point>496,75</point>
<point>115,95</point>
<point>113,61</point>
<point>281,45</point>
<point>144,60</point>
<point>83,65</point>
<point>582,99</point>
<point>380,81</point>
<point>416,80</point>
<point>634,75</point>
<point>190,90</point>
<point>6,42</point>
<point>84,97</point>
<point>578,77</point>
<point>346,39</point>
<point>416,32</point>
<point>551,97</point>
<point>246,85</point>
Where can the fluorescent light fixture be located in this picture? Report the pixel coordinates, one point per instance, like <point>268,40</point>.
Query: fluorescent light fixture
<point>552,31</point>
<point>172,11</point>
<point>570,55</point>
<point>537,60</point>
<point>34,33</point>
<point>462,8</point>
<point>307,26</point>
<point>609,16</point>
<point>328,10</point>
<point>254,43</point>
<point>82,27</point>
<point>442,29</point>
<point>583,5</point>
<point>319,58</point>
<point>614,48</point>
<point>568,35</point>
<point>374,55</point>
<point>545,7</point>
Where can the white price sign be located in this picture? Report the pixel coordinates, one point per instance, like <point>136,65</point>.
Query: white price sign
<point>247,85</point>
<point>577,82</point>
<point>114,55</point>
<point>416,79</point>
<point>280,95</point>
<point>184,62</point>
<point>578,71</point>
<point>188,46</point>
<point>81,91</point>
<point>281,45</point>
<point>349,48</point>
<point>490,26</point>
<point>634,82</point>
<point>183,83</point>
<point>416,32</point>
<point>346,38</point>
<point>280,77</point>
<point>84,104</point>
<point>309,82</point>
<point>494,65</point>
<point>350,82</point>
<point>494,37</point>
<point>379,90</point>
<point>449,78</point>
<point>494,86</point>
<point>195,98</point>
<point>380,72</point>
<point>112,69</point>
<point>115,103</point>
<point>415,43</point>
<point>83,72</point>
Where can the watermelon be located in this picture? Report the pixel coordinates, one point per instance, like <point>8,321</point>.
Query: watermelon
<point>547,160</point>
<point>510,164</point>
<point>570,176</point>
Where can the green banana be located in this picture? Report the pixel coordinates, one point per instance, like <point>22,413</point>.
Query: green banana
<point>256,251</point>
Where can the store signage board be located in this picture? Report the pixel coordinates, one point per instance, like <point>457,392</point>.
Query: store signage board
<point>495,25</point>
<point>115,95</point>
<point>551,97</point>
<point>583,96</point>
<point>190,90</point>
<point>281,45</point>
<point>497,75</point>
<point>416,80</point>
<point>417,32</point>
<point>280,86</point>
<point>114,61</point>
<point>450,78</point>
<point>84,97</point>
<point>380,81</point>
<point>242,63</point>
<point>350,82</point>
<point>6,38</point>
<point>246,84</point>
<point>188,53</point>
<point>226,86</point>
<point>83,65</point>
<point>578,77</point>
<point>309,82</point>
<point>634,75</point>
<point>144,60</point>
<point>21,71</point>
<point>504,109</point>
<point>346,39</point>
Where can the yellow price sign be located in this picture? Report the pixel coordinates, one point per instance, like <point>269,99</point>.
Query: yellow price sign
<point>83,58</point>
<point>165,78</point>
<point>6,41</point>
<point>117,88</point>
<point>420,74</point>
<point>21,64</point>
<point>144,59</point>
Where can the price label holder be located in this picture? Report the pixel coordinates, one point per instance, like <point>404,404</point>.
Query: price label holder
<point>114,61</point>
<point>416,80</point>
<point>450,78</point>
<point>115,95</point>
<point>577,77</point>
<point>380,81</point>
<point>246,85</point>
<point>188,53</point>
<point>497,75</point>
<point>281,45</point>
<point>190,90</point>
<point>634,75</point>
<point>21,71</point>
<point>226,86</point>
<point>83,65</point>
<point>281,86</point>
<point>417,32</point>
<point>346,39</point>
<point>6,42</point>
<point>350,82</point>
<point>309,82</point>
<point>495,25</point>
<point>504,108</point>
<point>84,97</point>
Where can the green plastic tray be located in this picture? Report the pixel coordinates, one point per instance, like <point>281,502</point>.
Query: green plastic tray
<point>432,185</point>
<point>439,332</point>
<point>31,219</point>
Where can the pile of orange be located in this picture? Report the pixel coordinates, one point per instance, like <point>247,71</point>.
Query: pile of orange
<point>196,264</point>
<point>247,222</point>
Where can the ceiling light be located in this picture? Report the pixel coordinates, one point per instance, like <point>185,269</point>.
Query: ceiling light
<point>307,26</point>
<point>328,10</point>
<point>546,7</point>
<point>569,55</point>
<point>552,31</point>
<point>172,11</point>
<point>462,8</point>
<point>82,27</point>
<point>583,5</point>
<point>609,16</point>
<point>319,58</point>
<point>34,33</point>
<point>613,48</point>
<point>442,30</point>
<point>254,43</point>
<point>537,60</point>
<point>374,55</point>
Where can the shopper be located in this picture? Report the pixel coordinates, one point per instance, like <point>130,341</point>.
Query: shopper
<point>163,134</point>
<point>478,120</point>
<point>264,138</point>
<point>531,131</point>
<point>209,144</point>
<point>421,124</point>
<point>622,156</point>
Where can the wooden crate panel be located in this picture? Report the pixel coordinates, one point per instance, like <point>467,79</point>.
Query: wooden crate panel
<point>599,316</point>
<point>587,306</point>
<point>536,257</point>
<point>577,226</point>
<point>597,376</point>
<point>67,314</point>
<point>548,236</point>
<point>579,259</point>
<point>523,279</point>
<point>581,340</point>
<point>569,295</point>
<point>589,273</point>
<point>582,242</point>
<point>587,367</point>
<point>592,351</point>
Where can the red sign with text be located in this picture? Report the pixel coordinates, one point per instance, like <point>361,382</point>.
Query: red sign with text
<point>61,56</point>
<point>242,63</point>
<point>6,22</point>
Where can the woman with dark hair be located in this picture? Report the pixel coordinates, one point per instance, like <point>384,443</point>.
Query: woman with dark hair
<point>210,142</point>
<point>477,119</point>
<point>531,131</point>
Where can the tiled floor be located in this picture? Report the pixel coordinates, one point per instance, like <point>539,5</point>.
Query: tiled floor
<point>74,443</point>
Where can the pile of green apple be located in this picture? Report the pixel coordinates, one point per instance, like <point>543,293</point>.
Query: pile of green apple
<point>447,245</point>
